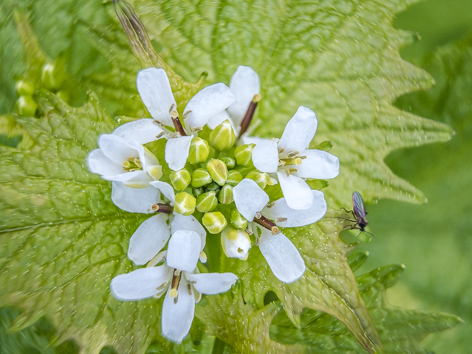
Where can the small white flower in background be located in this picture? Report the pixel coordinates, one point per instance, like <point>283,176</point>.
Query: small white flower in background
<point>122,157</point>
<point>154,88</point>
<point>246,87</point>
<point>178,277</point>
<point>152,235</point>
<point>293,162</point>
<point>282,256</point>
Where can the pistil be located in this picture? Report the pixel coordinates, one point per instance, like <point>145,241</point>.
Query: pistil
<point>173,292</point>
<point>249,114</point>
<point>177,124</point>
<point>266,223</point>
<point>162,208</point>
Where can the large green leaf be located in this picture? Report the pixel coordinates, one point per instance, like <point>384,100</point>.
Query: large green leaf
<point>437,235</point>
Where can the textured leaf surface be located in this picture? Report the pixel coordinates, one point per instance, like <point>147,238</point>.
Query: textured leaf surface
<point>439,247</point>
<point>340,59</point>
<point>400,330</point>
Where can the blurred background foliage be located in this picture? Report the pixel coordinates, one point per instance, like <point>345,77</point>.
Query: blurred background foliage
<point>433,241</point>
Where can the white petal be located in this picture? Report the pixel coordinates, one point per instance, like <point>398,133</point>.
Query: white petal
<point>265,156</point>
<point>299,131</point>
<point>142,131</point>
<point>177,317</point>
<point>296,191</point>
<point>294,217</point>
<point>149,238</point>
<point>97,162</point>
<point>212,283</point>
<point>244,84</point>
<point>134,200</point>
<point>220,118</point>
<point>189,223</point>
<point>139,284</point>
<point>177,150</point>
<point>183,250</point>
<point>164,188</point>
<point>116,148</point>
<point>135,179</point>
<point>154,89</point>
<point>208,103</point>
<point>149,159</point>
<point>249,198</point>
<point>282,256</point>
<point>318,164</point>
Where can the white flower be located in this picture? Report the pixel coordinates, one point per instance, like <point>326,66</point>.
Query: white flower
<point>244,84</point>
<point>176,277</point>
<point>122,157</point>
<point>282,256</point>
<point>152,235</point>
<point>154,88</point>
<point>293,162</point>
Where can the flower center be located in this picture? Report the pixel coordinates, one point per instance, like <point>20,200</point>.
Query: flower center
<point>132,164</point>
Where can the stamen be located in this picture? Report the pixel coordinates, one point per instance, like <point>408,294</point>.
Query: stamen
<point>160,135</point>
<point>270,205</point>
<point>249,114</point>
<point>266,223</point>
<point>132,164</point>
<point>281,219</point>
<point>160,124</point>
<point>177,124</point>
<point>162,208</point>
<point>281,163</point>
<point>189,288</point>
<point>157,259</point>
<point>293,153</point>
<point>186,114</point>
<point>249,232</point>
<point>281,150</point>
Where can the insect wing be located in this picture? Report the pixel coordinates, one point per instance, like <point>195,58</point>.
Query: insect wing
<point>359,206</point>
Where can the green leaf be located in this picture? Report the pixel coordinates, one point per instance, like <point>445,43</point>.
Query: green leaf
<point>432,241</point>
<point>340,60</point>
<point>400,330</point>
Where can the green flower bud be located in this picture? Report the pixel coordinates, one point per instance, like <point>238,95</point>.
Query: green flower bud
<point>258,177</point>
<point>235,243</point>
<point>214,222</point>
<point>180,179</point>
<point>223,137</point>
<point>234,177</point>
<point>184,203</point>
<point>199,150</point>
<point>218,171</point>
<point>213,187</point>
<point>225,196</point>
<point>23,87</point>
<point>237,220</point>
<point>50,78</point>
<point>207,202</point>
<point>26,106</point>
<point>200,177</point>
<point>243,154</point>
<point>197,191</point>
<point>229,161</point>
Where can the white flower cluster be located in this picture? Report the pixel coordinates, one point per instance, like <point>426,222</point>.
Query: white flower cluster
<point>215,176</point>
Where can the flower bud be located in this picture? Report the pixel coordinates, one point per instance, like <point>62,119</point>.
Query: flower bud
<point>243,154</point>
<point>50,77</point>
<point>199,150</point>
<point>218,171</point>
<point>237,220</point>
<point>234,177</point>
<point>180,179</point>
<point>26,106</point>
<point>229,162</point>
<point>225,196</point>
<point>215,222</point>
<point>235,242</point>
<point>200,177</point>
<point>223,137</point>
<point>260,178</point>
<point>207,202</point>
<point>184,203</point>
<point>23,87</point>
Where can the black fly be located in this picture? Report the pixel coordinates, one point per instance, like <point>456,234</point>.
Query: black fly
<point>359,213</point>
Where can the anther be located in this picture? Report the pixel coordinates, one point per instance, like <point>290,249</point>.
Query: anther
<point>160,135</point>
<point>186,114</point>
<point>159,123</point>
<point>281,219</point>
<point>270,205</point>
<point>293,153</point>
<point>249,232</point>
<point>249,114</point>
